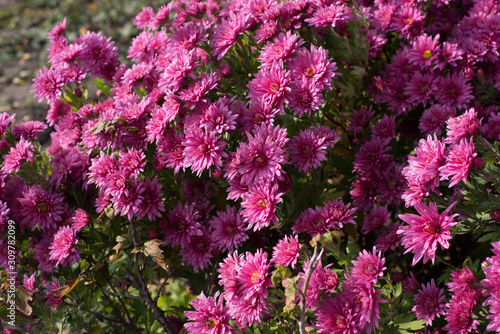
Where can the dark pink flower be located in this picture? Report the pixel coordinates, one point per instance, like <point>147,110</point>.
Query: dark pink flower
<point>52,294</point>
<point>430,302</point>
<point>210,316</point>
<point>226,34</point>
<point>17,155</point>
<point>80,219</point>
<point>462,126</point>
<point>329,16</point>
<point>271,85</point>
<point>286,251</point>
<point>259,204</point>
<point>203,150</point>
<point>305,97</point>
<point>313,66</point>
<point>434,118</point>
<point>99,54</point>
<point>339,315</point>
<point>377,218</point>
<point>308,149</point>
<point>229,229</point>
<point>425,50</point>
<point>47,85</point>
<point>197,252</point>
<point>282,47</point>
<point>152,202</point>
<point>253,277</point>
<point>454,91</point>
<point>181,223</point>
<point>367,267</point>
<point>63,249</point>
<point>423,233</point>
<point>459,160</point>
<point>41,207</point>
<point>142,19</point>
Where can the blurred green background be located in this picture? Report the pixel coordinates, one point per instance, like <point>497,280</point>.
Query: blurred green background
<point>24,25</point>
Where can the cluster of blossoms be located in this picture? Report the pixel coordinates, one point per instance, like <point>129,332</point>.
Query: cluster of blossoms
<point>225,136</point>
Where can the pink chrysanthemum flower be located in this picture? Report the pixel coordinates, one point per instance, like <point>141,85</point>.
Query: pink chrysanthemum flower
<point>286,251</point>
<point>423,233</point>
<point>203,150</point>
<point>101,168</point>
<point>329,16</point>
<point>229,229</point>
<point>434,118</point>
<point>58,109</point>
<point>197,252</point>
<point>218,117</point>
<point>265,31</point>
<point>371,156</point>
<point>182,222</point>
<point>52,294</point>
<point>170,151</point>
<point>339,315</point>
<point>460,317</point>
<point>253,277</point>
<point>360,118</point>
<point>311,221</point>
<point>210,317</point>
<point>29,282</point>
<point>385,127</point>
<point>423,169</point>
<point>420,87</point>
<point>321,280</point>
<point>305,97</point>
<point>271,85</point>
<point>228,270</point>
<point>63,248</point>
<point>314,66</point>
<point>5,120</point>
<point>132,162</point>
<point>260,159</point>
<point>462,126</point>
<point>282,48</point>
<point>28,130</point>
<point>195,93</point>
<point>410,283</point>
<point>47,85</point>
<point>17,155</point>
<point>336,214</point>
<point>80,219</point>
<point>430,302</point>
<point>226,34</point>
<point>142,19</point>
<point>491,130</point>
<point>459,160</point>
<point>152,203</point>
<point>181,65</point>
<point>308,149</point>
<point>259,204</point>
<point>41,207</point>
<point>377,218</point>
<point>388,239</point>
<point>450,53</point>
<point>367,267</point>
<point>161,17</point>
<point>128,203</point>
<point>99,54</point>
<point>425,50</point>
<point>58,30</point>
<point>454,91</point>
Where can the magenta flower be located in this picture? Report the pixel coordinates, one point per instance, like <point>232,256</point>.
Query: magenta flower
<point>228,270</point>
<point>322,280</point>
<point>229,229</point>
<point>367,267</point>
<point>425,50</point>
<point>463,126</point>
<point>271,85</point>
<point>226,34</point>
<point>47,85</point>
<point>203,150</point>
<point>282,48</point>
<point>99,54</point>
<point>218,117</point>
<point>423,233</point>
<point>197,252</point>
<point>313,66</point>
<point>182,222</point>
<point>41,207</point>
<point>360,119</point>
<point>338,315</point>
<point>371,156</point>
<point>142,19</point>
<point>286,251</point>
<point>152,202</point>
<point>377,218</point>
<point>52,294</point>
<point>17,155</point>
<point>259,204</point>
<point>454,91</point>
<point>434,118</point>
<point>80,219</point>
<point>459,160</point>
<point>210,317</point>
<point>430,302</point>
<point>305,97</point>
<point>307,150</point>
<point>253,276</point>
<point>329,16</point>
<point>181,65</point>
<point>63,249</point>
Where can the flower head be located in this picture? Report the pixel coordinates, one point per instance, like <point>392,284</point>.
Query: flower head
<point>63,249</point>
<point>210,316</point>
<point>430,302</point>
<point>423,233</point>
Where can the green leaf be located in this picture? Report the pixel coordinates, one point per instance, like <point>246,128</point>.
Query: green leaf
<point>413,325</point>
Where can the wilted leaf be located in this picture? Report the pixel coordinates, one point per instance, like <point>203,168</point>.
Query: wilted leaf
<point>23,297</point>
<point>279,274</point>
<point>152,248</point>
<point>290,285</point>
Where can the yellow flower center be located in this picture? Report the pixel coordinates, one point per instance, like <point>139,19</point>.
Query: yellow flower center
<point>42,207</point>
<point>255,278</point>
<point>262,203</point>
<point>427,54</point>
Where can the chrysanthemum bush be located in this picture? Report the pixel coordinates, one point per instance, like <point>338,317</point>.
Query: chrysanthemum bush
<point>263,167</point>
